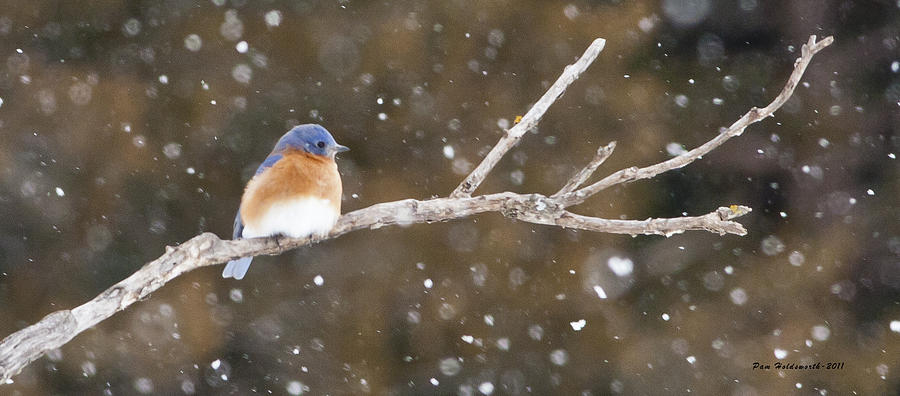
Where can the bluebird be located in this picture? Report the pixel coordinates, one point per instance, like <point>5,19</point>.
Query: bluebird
<point>296,192</point>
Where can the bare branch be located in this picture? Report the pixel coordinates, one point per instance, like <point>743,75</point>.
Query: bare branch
<point>712,222</point>
<point>754,115</point>
<point>58,328</point>
<point>24,346</point>
<point>585,173</point>
<point>529,121</point>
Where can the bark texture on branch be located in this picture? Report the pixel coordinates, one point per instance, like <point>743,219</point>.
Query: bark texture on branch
<point>529,120</point>
<point>58,328</point>
<point>807,51</point>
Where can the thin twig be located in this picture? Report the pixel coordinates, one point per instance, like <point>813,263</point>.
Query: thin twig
<point>529,121</point>
<point>585,173</point>
<point>58,328</point>
<point>754,115</point>
<point>712,222</point>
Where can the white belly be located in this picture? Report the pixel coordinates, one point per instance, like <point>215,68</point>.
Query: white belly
<point>297,218</point>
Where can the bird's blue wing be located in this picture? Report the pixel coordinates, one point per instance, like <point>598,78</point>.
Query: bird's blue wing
<point>268,163</point>
<point>238,268</point>
<point>238,226</point>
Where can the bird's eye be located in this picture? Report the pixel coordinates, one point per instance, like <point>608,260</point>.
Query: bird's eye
<point>320,145</point>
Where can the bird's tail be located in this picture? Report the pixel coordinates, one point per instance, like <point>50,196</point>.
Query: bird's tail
<point>237,268</point>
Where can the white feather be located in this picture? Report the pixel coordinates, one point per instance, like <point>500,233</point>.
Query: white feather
<point>297,218</point>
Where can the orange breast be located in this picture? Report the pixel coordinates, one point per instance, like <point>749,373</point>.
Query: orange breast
<point>297,174</point>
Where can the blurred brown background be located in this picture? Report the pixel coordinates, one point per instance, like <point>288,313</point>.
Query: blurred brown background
<point>126,126</point>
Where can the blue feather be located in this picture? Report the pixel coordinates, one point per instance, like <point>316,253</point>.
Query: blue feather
<point>238,268</point>
<point>268,163</point>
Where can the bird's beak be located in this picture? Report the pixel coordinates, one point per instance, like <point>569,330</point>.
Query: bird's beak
<point>340,149</point>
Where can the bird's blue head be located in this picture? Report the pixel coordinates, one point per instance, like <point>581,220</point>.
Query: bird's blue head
<point>311,138</point>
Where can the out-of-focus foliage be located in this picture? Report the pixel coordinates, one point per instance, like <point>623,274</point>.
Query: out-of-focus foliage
<point>129,126</point>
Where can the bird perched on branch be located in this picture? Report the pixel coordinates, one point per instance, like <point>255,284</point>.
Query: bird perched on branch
<point>296,191</point>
